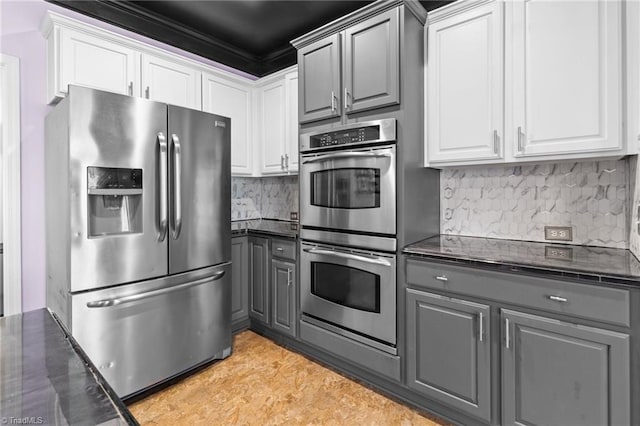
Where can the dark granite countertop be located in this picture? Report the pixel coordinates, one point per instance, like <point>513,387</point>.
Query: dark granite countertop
<point>607,265</point>
<point>278,228</point>
<point>45,378</point>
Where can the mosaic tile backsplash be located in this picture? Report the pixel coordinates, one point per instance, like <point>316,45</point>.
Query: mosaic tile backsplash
<point>267,197</point>
<point>517,202</point>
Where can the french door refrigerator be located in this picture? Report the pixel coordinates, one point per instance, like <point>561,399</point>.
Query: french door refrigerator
<point>138,243</point>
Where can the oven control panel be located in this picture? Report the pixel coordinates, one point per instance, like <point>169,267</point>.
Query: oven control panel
<point>360,133</point>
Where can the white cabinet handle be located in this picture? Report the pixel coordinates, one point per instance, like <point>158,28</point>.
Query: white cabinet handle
<point>558,298</point>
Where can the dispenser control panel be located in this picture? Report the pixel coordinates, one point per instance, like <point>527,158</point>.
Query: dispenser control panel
<point>113,178</point>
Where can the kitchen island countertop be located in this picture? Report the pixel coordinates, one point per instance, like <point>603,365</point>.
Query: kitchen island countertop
<point>597,264</point>
<point>272,227</point>
<point>45,378</point>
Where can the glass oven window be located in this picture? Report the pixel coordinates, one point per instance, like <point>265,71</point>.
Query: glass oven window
<point>348,188</point>
<point>346,286</point>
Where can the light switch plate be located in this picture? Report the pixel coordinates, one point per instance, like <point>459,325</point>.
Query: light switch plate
<point>558,233</point>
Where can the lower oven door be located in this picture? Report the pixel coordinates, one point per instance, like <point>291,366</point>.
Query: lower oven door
<point>351,289</point>
<point>352,190</point>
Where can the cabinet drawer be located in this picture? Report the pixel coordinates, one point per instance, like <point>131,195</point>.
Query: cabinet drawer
<point>283,248</point>
<point>581,300</point>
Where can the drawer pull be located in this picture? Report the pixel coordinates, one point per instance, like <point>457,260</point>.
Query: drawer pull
<point>441,278</point>
<point>279,249</point>
<point>557,298</point>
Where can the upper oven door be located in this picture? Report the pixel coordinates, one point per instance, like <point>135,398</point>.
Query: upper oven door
<point>351,190</point>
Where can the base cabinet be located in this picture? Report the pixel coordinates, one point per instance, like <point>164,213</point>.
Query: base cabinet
<point>448,351</point>
<point>239,281</point>
<point>283,293</point>
<point>555,372</point>
<point>259,279</point>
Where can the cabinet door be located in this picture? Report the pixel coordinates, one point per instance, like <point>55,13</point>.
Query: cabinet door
<point>233,100</point>
<point>171,82</point>
<point>272,127</point>
<point>283,275</point>
<point>563,374</point>
<point>566,76</point>
<point>291,151</point>
<point>240,279</point>
<point>90,61</point>
<point>372,66</point>
<point>319,69</point>
<point>449,352</point>
<point>259,278</point>
<point>465,86</point>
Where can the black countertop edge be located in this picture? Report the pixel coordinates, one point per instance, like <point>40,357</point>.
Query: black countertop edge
<point>502,266</point>
<point>271,227</point>
<point>124,411</point>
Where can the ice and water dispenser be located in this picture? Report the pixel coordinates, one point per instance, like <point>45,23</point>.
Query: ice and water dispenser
<point>114,201</point>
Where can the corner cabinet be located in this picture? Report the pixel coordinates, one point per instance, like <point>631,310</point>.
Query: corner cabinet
<point>368,78</point>
<point>524,80</point>
<point>554,372</point>
<point>278,123</point>
<point>448,351</point>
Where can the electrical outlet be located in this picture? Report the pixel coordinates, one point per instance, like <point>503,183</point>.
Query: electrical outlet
<point>558,233</point>
<point>558,253</point>
<point>293,215</point>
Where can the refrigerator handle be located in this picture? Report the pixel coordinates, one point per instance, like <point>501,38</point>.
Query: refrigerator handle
<point>162,167</point>
<point>177,196</point>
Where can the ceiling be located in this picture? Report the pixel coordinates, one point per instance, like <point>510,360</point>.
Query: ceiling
<point>249,35</point>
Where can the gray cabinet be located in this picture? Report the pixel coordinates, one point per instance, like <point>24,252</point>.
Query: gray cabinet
<point>319,79</point>
<point>239,281</point>
<point>448,351</point>
<point>283,286</point>
<point>368,78</point>
<point>554,372</point>
<point>259,278</point>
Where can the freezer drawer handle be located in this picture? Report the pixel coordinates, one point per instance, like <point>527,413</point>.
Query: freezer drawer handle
<point>162,164</point>
<point>346,155</point>
<point>374,260</point>
<point>177,191</point>
<point>105,303</point>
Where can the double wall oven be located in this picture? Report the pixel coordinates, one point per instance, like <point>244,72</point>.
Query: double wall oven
<point>348,218</point>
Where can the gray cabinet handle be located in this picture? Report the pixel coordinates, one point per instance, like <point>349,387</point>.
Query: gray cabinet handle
<point>146,92</point>
<point>131,88</point>
<point>105,303</point>
<point>286,161</point>
<point>346,99</point>
<point>162,166</point>
<point>481,320</point>
<point>506,333</point>
<point>333,101</point>
<point>177,183</point>
<point>496,142</point>
<point>520,140</point>
<point>288,277</point>
<point>441,278</point>
<point>558,298</point>
<point>282,162</point>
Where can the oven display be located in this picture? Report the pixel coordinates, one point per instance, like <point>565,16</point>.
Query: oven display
<point>342,137</point>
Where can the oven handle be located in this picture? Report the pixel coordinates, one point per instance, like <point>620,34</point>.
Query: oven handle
<point>346,155</point>
<point>360,258</point>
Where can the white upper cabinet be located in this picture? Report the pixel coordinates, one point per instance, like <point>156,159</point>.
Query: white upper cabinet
<point>543,82</point>
<point>277,108</point>
<point>232,99</point>
<point>88,61</point>
<point>171,82</point>
<point>465,86</point>
<point>291,112</point>
<point>566,62</point>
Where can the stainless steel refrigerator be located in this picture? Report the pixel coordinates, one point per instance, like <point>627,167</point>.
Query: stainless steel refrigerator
<point>138,243</point>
